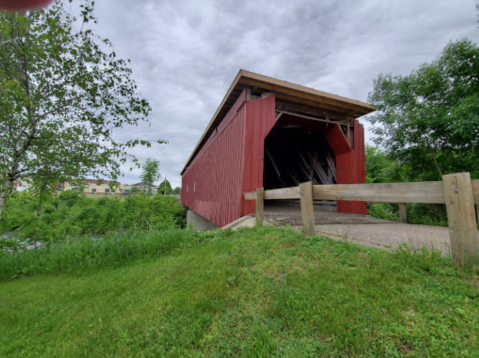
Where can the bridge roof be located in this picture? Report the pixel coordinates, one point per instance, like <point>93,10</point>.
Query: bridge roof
<point>282,90</point>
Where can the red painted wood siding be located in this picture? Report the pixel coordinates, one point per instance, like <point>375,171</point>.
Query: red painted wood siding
<point>260,119</point>
<point>230,163</point>
<point>351,169</point>
<point>212,183</point>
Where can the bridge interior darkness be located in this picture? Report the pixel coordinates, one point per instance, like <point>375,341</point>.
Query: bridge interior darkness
<point>296,151</point>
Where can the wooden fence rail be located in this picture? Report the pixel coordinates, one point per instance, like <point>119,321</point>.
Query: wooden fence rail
<point>457,191</point>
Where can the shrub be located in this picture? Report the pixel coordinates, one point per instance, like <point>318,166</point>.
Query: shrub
<point>383,211</point>
<point>73,215</point>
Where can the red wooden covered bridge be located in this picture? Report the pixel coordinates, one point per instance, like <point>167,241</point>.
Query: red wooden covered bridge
<point>273,134</point>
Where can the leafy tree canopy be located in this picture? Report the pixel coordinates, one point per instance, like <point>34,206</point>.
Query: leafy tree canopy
<point>150,173</point>
<point>429,119</point>
<point>381,169</point>
<point>63,92</point>
<point>164,188</point>
<point>176,191</point>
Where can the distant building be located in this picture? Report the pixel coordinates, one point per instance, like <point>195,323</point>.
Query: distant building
<point>105,187</point>
<point>95,186</point>
<point>22,185</point>
<point>141,186</point>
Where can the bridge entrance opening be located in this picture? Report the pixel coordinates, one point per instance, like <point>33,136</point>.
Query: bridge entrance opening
<point>296,151</point>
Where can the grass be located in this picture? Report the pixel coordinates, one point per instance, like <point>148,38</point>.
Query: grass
<point>258,292</point>
<point>84,254</point>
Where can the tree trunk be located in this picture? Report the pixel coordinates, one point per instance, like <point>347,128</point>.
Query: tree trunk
<point>434,157</point>
<point>5,192</point>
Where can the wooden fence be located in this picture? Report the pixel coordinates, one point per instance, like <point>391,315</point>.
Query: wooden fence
<point>457,191</point>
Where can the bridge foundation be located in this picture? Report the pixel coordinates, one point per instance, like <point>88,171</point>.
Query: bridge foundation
<point>199,223</point>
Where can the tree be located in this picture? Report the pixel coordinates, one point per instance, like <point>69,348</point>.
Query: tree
<point>150,173</point>
<point>164,188</point>
<point>63,92</point>
<point>381,169</point>
<point>176,191</point>
<point>429,119</point>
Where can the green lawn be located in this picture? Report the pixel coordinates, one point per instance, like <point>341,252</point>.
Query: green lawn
<point>253,293</point>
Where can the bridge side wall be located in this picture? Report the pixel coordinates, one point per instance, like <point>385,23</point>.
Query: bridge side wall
<point>230,163</point>
<point>212,183</point>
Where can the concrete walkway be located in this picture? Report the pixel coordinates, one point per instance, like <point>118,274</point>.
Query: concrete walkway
<point>390,235</point>
<point>291,214</point>
<point>361,229</point>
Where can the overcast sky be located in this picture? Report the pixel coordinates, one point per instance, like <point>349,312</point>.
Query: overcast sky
<point>185,54</point>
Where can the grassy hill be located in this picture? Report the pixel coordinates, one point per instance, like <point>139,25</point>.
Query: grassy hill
<point>258,292</point>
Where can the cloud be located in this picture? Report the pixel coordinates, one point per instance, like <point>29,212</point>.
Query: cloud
<point>185,54</point>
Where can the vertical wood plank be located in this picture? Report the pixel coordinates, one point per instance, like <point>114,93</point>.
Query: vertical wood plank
<point>259,205</point>
<point>307,209</point>
<point>402,213</point>
<point>461,218</point>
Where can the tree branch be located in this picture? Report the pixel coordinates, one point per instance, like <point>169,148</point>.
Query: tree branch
<point>8,41</point>
<point>433,156</point>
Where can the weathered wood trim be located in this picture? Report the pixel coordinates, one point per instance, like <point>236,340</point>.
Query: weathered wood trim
<point>259,206</point>
<point>421,192</point>
<point>457,191</point>
<point>312,103</point>
<point>284,193</point>
<point>291,113</point>
<point>462,219</point>
<point>282,104</point>
<point>475,190</point>
<point>402,213</point>
<point>418,192</point>
<point>307,208</point>
<point>279,86</point>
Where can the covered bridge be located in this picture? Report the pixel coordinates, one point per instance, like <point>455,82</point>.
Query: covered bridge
<point>273,134</point>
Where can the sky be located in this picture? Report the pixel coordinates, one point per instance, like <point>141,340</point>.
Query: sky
<point>185,54</point>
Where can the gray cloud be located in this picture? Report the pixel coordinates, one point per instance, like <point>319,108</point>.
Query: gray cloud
<point>185,54</point>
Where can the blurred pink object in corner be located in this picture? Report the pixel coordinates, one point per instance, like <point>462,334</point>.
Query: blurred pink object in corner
<point>17,5</point>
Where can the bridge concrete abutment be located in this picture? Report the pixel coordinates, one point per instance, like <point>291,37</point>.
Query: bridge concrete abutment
<point>199,222</point>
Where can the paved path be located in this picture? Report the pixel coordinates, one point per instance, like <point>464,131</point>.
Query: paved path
<point>291,214</point>
<point>361,229</point>
<point>390,236</point>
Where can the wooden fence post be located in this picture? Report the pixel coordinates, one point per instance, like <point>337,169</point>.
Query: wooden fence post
<point>461,218</point>
<point>259,205</point>
<point>307,209</point>
<point>402,213</point>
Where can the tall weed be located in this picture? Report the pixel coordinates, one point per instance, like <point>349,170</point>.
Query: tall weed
<point>84,253</point>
